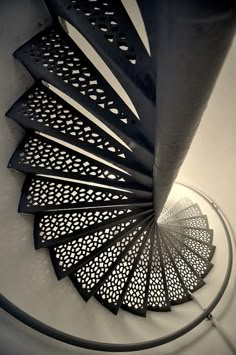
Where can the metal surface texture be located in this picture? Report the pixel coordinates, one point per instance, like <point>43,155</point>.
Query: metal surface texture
<point>109,29</point>
<point>35,324</point>
<point>97,187</point>
<point>193,38</point>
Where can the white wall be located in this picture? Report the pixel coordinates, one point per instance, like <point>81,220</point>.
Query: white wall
<point>27,277</point>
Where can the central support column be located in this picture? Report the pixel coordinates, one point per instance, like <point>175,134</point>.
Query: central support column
<point>193,38</point>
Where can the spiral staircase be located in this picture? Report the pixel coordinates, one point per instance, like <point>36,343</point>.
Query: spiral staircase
<point>91,183</point>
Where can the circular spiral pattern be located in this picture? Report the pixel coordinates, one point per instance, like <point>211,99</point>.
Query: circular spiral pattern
<point>91,193</point>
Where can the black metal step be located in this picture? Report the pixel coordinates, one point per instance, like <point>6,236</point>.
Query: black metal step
<point>92,275</point>
<point>111,292</point>
<point>57,227</point>
<point>136,294</point>
<point>194,222</point>
<point>201,265</point>
<point>39,155</point>
<point>41,193</point>
<point>69,256</point>
<point>177,291</point>
<point>188,212</point>
<point>108,28</point>
<point>206,250</point>
<point>158,293</point>
<point>172,207</point>
<point>42,110</point>
<point>53,57</point>
<point>190,277</point>
<point>202,234</point>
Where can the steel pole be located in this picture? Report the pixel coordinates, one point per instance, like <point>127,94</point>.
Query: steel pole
<point>193,38</point>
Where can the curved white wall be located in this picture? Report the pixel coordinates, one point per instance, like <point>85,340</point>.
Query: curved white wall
<point>27,277</point>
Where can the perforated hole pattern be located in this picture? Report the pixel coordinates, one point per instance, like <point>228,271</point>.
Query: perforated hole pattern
<point>189,212</point>
<point>101,14</point>
<point>176,291</point>
<point>201,248</point>
<point>91,273</point>
<point>41,107</point>
<point>113,287</point>
<point>203,235</point>
<point>157,298</point>
<point>41,153</point>
<point>51,193</point>
<point>56,55</point>
<point>54,226</point>
<point>172,206</point>
<point>72,252</point>
<point>199,265</point>
<point>188,276</point>
<point>195,222</point>
<point>135,295</point>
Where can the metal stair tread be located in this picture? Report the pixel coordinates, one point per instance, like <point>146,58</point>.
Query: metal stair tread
<point>111,292</point>
<point>196,222</point>
<point>41,193</point>
<point>37,64</point>
<point>37,154</point>
<point>158,298</point>
<point>107,42</point>
<point>193,209</point>
<point>40,109</point>
<point>135,297</point>
<point>184,230</point>
<point>103,264</point>
<point>206,250</point>
<point>191,279</point>
<point>70,256</point>
<point>200,264</point>
<point>171,208</point>
<point>177,291</point>
<point>49,228</point>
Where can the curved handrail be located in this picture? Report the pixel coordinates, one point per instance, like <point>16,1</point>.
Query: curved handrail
<point>51,332</point>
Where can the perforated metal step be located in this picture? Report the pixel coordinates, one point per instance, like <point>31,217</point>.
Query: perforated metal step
<point>90,181</point>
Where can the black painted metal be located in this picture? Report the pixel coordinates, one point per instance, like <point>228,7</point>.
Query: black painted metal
<point>41,193</point>
<point>158,297</point>
<point>177,291</point>
<point>35,324</point>
<point>42,110</point>
<point>53,57</point>
<point>193,38</point>
<point>174,207</point>
<point>190,211</point>
<point>106,237</point>
<point>197,261</point>
<point>108,28</point>
<point>135,299</point>
<point>194,221</point>
<point>203,235</point>
<point>39,155</point>
<point>191,279</point>
<point>112,297</point>
<point>149,12</point>
<point>101,239</point>
<point>131,239</point>
<point>57,227</point>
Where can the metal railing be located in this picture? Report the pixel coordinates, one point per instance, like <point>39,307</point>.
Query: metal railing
<point>45,329</point>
